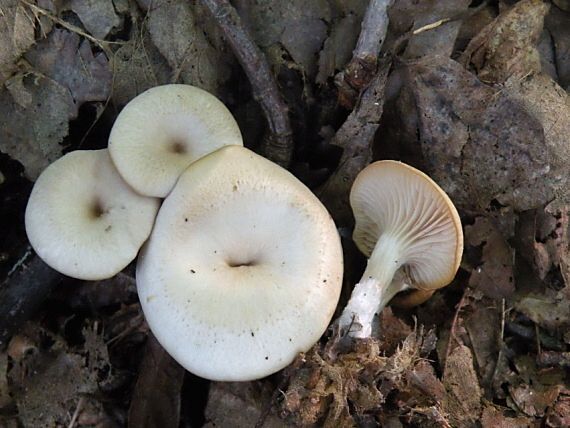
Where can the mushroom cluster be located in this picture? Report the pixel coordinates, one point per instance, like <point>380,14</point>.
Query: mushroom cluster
<point>243,267</point>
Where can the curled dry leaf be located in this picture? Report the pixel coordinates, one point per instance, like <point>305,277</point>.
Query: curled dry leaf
<point>506,46</point>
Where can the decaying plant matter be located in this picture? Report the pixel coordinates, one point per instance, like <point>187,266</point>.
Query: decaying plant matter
<point>474,94</point>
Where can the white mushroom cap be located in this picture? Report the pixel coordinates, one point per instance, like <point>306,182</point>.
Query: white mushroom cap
<point>404,223</point>
<point>83,220</point>
<point>396,200</point>
<point>163,130</point>
<point>243,269</point>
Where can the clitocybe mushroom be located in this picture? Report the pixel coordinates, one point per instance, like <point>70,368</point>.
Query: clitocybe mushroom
<point>404,221</point>
<point>243,268</point>
<point>83,220</point>
<point>163,130</point>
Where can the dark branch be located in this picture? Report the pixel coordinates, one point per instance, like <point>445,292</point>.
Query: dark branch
<point>278,145</point>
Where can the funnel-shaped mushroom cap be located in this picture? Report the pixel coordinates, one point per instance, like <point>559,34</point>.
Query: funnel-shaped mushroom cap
<point>392,198</point>
<point>243,268</point>
<point>163,130</point>
<point>82,218</point>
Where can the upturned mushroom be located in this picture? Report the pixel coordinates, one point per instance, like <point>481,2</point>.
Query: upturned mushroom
<point>163,130</point>
<point>83,220</point>
<point>405,223</point>
<point>243,269</point>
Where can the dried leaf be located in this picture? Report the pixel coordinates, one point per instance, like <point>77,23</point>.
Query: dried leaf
<point>179,37</point>
<point>138,66</point>
<point>533,400</point>
<point>478,143</point>
<point>32,133</point>
<point>409,15</point>
<point>47,384</point>
<point>550,309</point>
<point>156,398</point>
<point>557,24</point>
<point>494,276</point>
<point>492,417</point>
<point>463,399</point>
<point>338,46</point>
<point>98,16</point>
<point>240,405</point>
<point>16,33</point>
<point>300,26</point>
<point>506,47</point>
<point>71,63</point>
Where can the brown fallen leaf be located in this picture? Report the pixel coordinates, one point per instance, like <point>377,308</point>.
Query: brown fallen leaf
<point>34,116</point>
<point>534,400</point>
<point>478,143</point>
<point>494,275</point>
<point>506,46</point>
<point>494,417</point>
<point>463,399</point>
<point>138,66</point>
<point>69,61</point>
<point>17,27</point>
<point>98,16</point>
<point>556,23</point>
<point>156,398</point>
<point>298,27</point>
<point>239,404</point>
<point>558,416</point>
<point>195,57</point>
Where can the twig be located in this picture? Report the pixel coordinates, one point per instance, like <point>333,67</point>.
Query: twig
<point>23,292</point>
<point>278,145</point>
<point>76,413</point>
<point>73,28</point>
<point>452,335</point>
<point>355,137</point>
<point>362,67</point>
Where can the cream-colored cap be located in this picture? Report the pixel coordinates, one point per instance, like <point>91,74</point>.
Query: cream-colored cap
<point>243,269</point>
<point>83,220</point>
<point>163,130</point>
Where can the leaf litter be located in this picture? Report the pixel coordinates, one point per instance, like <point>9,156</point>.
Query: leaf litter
<point>477,99</point>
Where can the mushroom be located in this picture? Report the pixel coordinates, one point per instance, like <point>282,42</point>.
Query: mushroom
<point>405,223</point>
<point>243,269</point>
<point>83,220</point>
<point>163,130</point>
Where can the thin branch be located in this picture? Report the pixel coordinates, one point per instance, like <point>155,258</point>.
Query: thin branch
<point>355,137</point>
<point>278,145</point>
<point>362,67</point>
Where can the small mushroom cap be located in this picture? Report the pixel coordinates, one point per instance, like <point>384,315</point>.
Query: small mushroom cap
<point>163,130</point>
<point>83,220</point>
<point>243,269</point>
<point>395,198</point>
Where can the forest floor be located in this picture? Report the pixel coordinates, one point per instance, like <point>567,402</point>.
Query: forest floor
<point>474,93</point>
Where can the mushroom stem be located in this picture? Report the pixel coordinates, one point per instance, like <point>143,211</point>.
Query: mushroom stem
<point>375,288</point>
